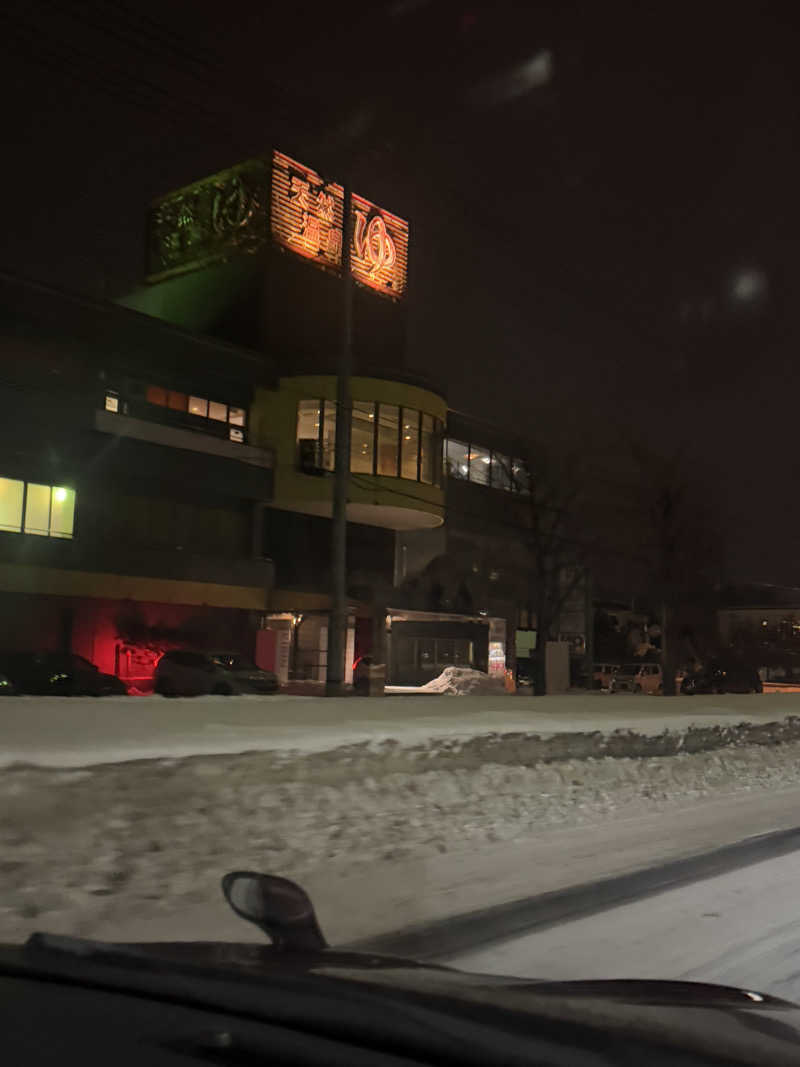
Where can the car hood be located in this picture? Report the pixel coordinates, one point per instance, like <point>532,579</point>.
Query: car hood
<point>737,1026</point>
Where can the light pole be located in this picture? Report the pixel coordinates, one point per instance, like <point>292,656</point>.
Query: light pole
<point>337,637</point>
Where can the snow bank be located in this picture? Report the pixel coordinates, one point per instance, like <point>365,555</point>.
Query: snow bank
<point>88,851</point>
<point>462,681</point>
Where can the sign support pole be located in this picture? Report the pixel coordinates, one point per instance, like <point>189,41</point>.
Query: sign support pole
<point>337,637</point>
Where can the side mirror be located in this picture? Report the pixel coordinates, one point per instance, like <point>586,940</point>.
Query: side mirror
<point>278,907</point>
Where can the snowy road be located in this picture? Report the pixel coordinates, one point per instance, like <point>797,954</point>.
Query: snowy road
<point>741,928</point>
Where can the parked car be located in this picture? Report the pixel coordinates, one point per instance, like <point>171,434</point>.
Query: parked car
<point>717,679</point>
<point>183,672</point>
<point>603,674</point>
<point>58,674</point>
<point>637,678</point>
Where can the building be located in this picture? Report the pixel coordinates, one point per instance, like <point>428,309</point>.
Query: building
<point>131,493</point>
<point>186,438</point>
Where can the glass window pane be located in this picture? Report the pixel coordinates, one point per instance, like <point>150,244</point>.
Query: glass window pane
<point>329,436</point>
<point>112,402</point>
<point>521,477</point>
<point>308,420</point>
<point>217,411</point>
<point>479,465</point>
<point>438,447</point>
<point>410,444</point>
<point>177,401</point>
<point>156,395</point>
<point>37,509</point>
<point>198,406</point>
<point>362,437</point>
<point>388,426</point>
<point>11,504</point>
<point>236,416</point>
<point>501,471</point>
<point>457,459</point>
<point>426,450</point>
<point>62,511</point>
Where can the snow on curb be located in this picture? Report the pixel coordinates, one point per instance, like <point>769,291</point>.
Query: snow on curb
<point>82,849</point>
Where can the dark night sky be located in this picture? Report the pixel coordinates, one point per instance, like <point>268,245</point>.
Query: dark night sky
<point>609,243</point>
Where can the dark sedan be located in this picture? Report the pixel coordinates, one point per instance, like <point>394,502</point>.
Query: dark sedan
<point>58,674</point>
<point>717,679</point>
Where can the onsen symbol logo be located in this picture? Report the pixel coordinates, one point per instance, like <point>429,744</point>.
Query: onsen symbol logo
<point>373,243</point>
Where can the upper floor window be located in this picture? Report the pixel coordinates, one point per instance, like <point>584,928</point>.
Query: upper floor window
<point>384,439</point>
<point>216,416</point>
<point>472,463</point>
<point>31,508</point>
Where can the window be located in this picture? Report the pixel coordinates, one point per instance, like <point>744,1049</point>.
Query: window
<point>409,445</point>
<point>308,423</point>
<point>384,439</point>
<point>48,510</point>
<point>457,459</point>
<point>216,411</point>
<point>177,401</point>
<point>479,465</point>
<point>236,434</point>
<point>501,471</point>
<point>112,401</point>
<point>11,495</point>
<point>329,435</point>
<point>236,416</point>
<point>521,477</point>
<point>198,406</point>
<point>362,437</point>
<point>388,439</point>
<point>156,395</point>
<point>426,450</point>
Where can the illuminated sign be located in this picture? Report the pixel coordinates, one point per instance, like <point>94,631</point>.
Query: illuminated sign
<point>208,221</point>
<point>307,212</point>
<point>379,253</point>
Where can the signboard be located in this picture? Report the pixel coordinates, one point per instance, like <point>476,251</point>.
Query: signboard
<point>307,213</point>
<point>379,253</point>
<point>226,214</point>
<point>208,221</point>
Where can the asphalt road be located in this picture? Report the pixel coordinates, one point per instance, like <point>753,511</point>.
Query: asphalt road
<point>738,927</point>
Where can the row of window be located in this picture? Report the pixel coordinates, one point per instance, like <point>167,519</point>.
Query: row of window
<point>46,510</point>
<point>198,406</point>
<point>384,439</point>
<point>472,463</point>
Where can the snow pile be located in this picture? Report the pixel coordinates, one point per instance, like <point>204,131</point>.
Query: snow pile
<point>462,681</point>
<point>86,851</point>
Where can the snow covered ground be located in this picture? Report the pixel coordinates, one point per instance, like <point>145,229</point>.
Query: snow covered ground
<point>740,928</point>
<point>79,732</point>
<point>118,816</point>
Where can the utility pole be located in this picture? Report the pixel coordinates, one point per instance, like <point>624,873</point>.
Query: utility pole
<point>588,626</point>
<point>337,636</point>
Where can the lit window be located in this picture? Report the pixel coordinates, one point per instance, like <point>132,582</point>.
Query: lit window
<point>457,459</point>
<point>217,411</point>
<point>156,395</point>
<point>427,465</point>
<point>198,406</point>
<point>329,435</point>
<point>362,437</point>
<point>479,465</point>
<point>62,511</point>
<point>11,494</point>
<point>236,434</point>
<point>37,509</point>
<point>388,429</point>
<point>236,416</point>
<point>409,444</point>
<point>177,401</point>
<point>112,402</point>
<point>520,477</point>
<point>501,471</point>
